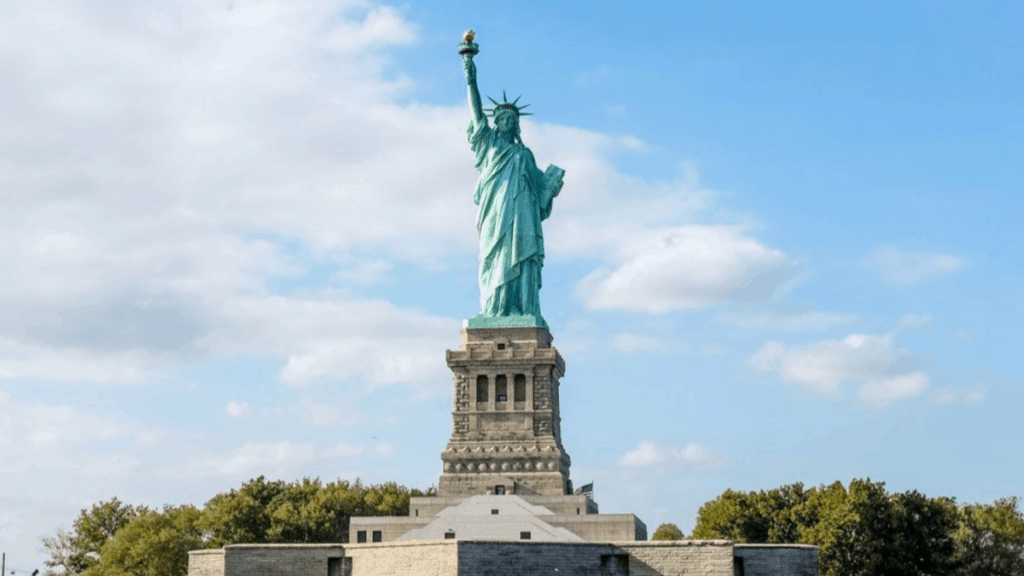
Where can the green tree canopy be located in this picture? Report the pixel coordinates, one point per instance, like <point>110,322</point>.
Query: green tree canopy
<point>152,544</point>
<point>115,539</point>
<point>863,530</point>
<point>667,532</point>
<point>95,527</point>
<point>990,539</point>
<point>752,516</point>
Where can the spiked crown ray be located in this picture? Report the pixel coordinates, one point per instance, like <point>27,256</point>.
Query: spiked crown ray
<point>506,105</point>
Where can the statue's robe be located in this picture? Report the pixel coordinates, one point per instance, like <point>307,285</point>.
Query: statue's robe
<point>513,197</point>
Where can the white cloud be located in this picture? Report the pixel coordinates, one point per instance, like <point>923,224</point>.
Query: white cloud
<point>253,456</point>
<point>367,272</point>
<point>281,458</point>
<point>882,391</point>
<point>332,336</point>
<point>383,449</point>
<point>865,360</point>
<point>342,450</point>
<point>237,409</point>
<point>698,455</point>
<point>40,429</point>
<point>961,395</point>
<point>321,413</point>
<point>913,321</point>
<point>266,140</point>
<point>686,267</point>
<point>647,453</point>
<point>21,360</point>
<point>905,268</point>
<point>787,321</point>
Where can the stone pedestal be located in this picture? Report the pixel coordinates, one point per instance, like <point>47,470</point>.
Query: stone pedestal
<point>506,435</point>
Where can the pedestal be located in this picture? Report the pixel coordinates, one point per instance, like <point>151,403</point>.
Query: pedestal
<point>506,426</point>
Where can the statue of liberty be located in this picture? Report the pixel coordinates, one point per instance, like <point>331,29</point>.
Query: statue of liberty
<point>513,196</point>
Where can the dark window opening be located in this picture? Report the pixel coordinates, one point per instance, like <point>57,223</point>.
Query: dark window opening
<point>377,536</point>
<point>449,535</point>
<point>577,510</point>
<point>501,388</point>
<point>737,566</point>
<point>617,563</point>
<point>520,388</point>
<point>339,566</point>
<point>499,490</point>
<point>481,388</point>
<point>417,511</point>
<point>524,535</point>
<point>501,346</point>
<point>361,537</point>
<point>494,510</point>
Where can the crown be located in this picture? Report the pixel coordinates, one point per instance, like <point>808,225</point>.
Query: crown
<point>506,105</point>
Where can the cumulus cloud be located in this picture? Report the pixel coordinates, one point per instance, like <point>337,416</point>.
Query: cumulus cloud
<point>321,413</point>
<point>237,409</point>
<point>38,438</point>
<point>142,198</point>
<point>281,458</point>
<point>338,337</point>
<point>383,449</point>
<point>151,206</point>
<point>881,372</point>
<point>906,268</point>
<point>787,321</point>
<point>686,267</point>
<point>647,453</point>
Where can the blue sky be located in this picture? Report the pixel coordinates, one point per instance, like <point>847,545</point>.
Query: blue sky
<point>239,236</point>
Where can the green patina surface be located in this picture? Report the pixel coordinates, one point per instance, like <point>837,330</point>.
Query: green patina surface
<point>518,320</point>
<point>513,196</point>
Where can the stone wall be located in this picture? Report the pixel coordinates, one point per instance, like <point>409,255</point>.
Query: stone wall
<point>601,527</point>
<point>206,563</point>
<point>278,559</point>
<point>772,559</point>
<point>494,558</point>
<point>684,557</point>
<point>391,527</point>
<point>703,558</point>
<point>535,558</point>
<point>422,558</point>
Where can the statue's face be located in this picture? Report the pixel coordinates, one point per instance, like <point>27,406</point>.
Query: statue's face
<point>506,122</point>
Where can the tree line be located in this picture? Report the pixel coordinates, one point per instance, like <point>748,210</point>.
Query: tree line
<point>116,539</point>
<point>863,530</point>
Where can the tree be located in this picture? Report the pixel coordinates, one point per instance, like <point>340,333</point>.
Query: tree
<point>152,544</point>
<point>848,525</point>
<point>729,517</point>
<point>93,528</point>
<point>115,539</point>
<point>919,541</point>
<point>861,530</point>
<point>990,539</point>
<point>752,516</point>
<point>668,532</point>
<point>60,549</point>
<point>243,515</point>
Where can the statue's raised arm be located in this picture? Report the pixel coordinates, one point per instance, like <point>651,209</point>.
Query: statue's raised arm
<point>468,49</point>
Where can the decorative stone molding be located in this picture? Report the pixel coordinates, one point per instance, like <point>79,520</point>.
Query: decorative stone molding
<point>511,437</point>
